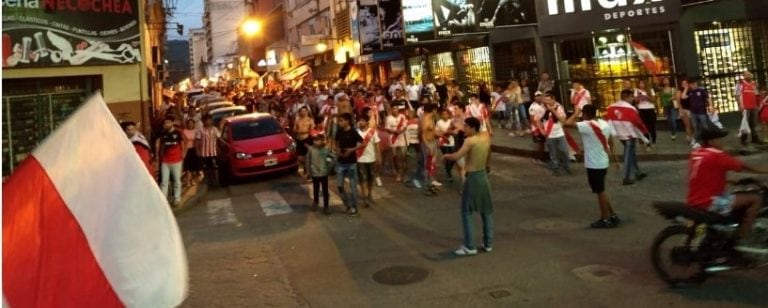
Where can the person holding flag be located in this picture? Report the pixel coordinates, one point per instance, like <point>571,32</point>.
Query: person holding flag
<point>626,124</point>
<point>76,220</point>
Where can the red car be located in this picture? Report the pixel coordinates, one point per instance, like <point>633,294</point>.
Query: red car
<point>254,144</point>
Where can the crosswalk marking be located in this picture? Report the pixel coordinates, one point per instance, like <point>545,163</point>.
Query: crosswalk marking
<point>220,212</point>
<point>272,203</point>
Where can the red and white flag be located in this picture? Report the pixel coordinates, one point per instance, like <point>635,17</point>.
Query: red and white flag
<point>625,121</point>
<point>646,56</point>
<point>84,224</point>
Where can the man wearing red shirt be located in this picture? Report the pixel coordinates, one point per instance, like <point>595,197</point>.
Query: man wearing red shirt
<point>708,170</point>
<point>171,150</point>
<point>746,96</point>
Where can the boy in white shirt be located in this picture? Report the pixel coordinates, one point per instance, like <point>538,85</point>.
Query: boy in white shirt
<point>598,149</point>
<point>395,125</point>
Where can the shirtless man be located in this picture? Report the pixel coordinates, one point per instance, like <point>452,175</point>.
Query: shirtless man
<point>476,196</point>
<point>429,148</point>
<point>301,128</point>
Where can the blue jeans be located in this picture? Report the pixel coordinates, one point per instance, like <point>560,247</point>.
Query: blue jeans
<point>468,226</point>
<point>347,171</point>
<point>558,153</point>
<point>671,114</point>
<point>699,123</point>
<point>523,113</point>
<point>166,172</point>
<point>631,168</point>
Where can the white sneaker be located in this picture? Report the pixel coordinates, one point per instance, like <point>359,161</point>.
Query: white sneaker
<point>487,249</point>
<point>416,183</point>
<point>437,184</point>
<point>378,182</point>
<point>464,251</point>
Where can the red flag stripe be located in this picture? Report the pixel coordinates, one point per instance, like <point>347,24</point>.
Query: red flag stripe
<point>40,273</point>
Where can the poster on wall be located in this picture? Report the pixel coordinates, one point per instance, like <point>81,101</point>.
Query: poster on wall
<point>391,20</point>
<point>419,21</point>
<point>368,21</point>
<point>454,17</point>
<point>499,13</point>
<point>46,33</point>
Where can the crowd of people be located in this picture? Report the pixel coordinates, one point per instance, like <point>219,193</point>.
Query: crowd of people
<point>410,132</point>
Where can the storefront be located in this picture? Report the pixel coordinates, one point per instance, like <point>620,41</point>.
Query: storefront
<point>47,74</point>
<point>605,46</point>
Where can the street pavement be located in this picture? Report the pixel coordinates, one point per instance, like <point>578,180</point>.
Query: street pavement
<point>258,244</point>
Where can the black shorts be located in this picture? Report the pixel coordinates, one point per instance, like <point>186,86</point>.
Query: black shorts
<point>191,162</point>
<point>208,163</point>
<point>365,172</point>
<point>301,146</point>
<point>596,179</point>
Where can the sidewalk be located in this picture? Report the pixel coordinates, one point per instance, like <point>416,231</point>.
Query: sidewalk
<point>665,148</point>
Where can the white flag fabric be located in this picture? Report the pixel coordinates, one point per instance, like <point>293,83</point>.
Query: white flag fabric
<point>85,225</point>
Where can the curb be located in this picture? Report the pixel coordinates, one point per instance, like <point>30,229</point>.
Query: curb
<point>191,197</point>
<point>641,157</point>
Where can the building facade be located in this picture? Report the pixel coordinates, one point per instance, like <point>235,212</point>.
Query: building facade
<point>198,54</point>
<point>221,21</point>
<point>116,50</point>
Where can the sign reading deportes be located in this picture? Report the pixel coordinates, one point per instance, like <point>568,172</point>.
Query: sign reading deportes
<point>573,16</point>
<point>70,32</point>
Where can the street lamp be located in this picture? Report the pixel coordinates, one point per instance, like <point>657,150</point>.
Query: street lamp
<point>251,27</point>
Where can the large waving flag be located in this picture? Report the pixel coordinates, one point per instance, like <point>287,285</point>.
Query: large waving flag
<point>84,225</point>
<point>646,56</point>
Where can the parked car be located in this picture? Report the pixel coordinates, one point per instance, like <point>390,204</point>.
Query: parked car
<point>254,144</point>
<point>204,109</point>
<point>222,113</point>
<point>199,100</point>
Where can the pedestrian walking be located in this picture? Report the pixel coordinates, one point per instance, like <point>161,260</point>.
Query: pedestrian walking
<point>429,148</point>
<point>477,110</point>
<point>596,136</point>
<point>626,124</point>
<point>302,126</point>
<point>476,194</point>
<point>685,110</point>
<point>413,139</point>
<point>395,126</point>
<point>191,162</point>
<point>368,156</point>
<point>557,145</point>
<point>140,144</point>
<point>348,142</point>
<point>445,130</point>
<point>207,149</point>
<point>746,96</point>
<point>171,151</point>
<point>536,114</point>
<point>319,160</point>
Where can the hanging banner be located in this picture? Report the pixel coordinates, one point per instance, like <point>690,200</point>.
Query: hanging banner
<point>419,21</point>
<point>368,19</point>
<point>71,33</point>
<point>390,17</point>
<point>454,17</point>
<point>499,13</point>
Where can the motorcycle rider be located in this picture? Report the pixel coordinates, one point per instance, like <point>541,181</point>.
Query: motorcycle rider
<point>708,170</point>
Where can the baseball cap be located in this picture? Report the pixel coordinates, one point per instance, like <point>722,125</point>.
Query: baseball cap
<point>538,93</point>
<point>712,133</point>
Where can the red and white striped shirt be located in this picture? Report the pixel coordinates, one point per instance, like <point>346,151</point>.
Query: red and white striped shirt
<point>206,141</point>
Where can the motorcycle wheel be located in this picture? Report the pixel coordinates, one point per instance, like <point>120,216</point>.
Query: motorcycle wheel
<point>674,259</point>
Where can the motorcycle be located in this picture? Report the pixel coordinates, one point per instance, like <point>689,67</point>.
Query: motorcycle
<point>699,244</point>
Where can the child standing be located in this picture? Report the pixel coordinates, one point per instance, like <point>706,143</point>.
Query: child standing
<point>317,165</point>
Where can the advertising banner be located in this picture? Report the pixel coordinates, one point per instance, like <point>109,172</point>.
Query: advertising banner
<point>573,16</point>
<point>70,33</point>
<point>419,21</point>
<point>454,17</point>
<point>391,21</point>
<point>370,35</point>
<point>499,13</point>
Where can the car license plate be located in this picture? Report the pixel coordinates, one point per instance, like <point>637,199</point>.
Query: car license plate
<point>269,162</point>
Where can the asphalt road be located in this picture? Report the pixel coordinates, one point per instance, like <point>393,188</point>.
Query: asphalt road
<point>258,244</point>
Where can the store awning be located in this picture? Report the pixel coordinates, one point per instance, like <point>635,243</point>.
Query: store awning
<point>328,70</point>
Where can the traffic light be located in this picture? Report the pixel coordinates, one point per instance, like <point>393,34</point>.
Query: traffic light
<point>180,29</point>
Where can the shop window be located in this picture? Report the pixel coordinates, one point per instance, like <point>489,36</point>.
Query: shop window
<point>603,62</point>
<point>441,65</point>
<point>475,67</point>
<point>515,60</point>
<point>34,107</point>
<point>725,49</point>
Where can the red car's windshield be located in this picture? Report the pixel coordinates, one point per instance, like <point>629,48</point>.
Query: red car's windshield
<point>255,129</point>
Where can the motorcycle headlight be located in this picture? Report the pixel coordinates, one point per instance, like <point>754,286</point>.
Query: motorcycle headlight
<point>292,147</point>
<point>243,155</point>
